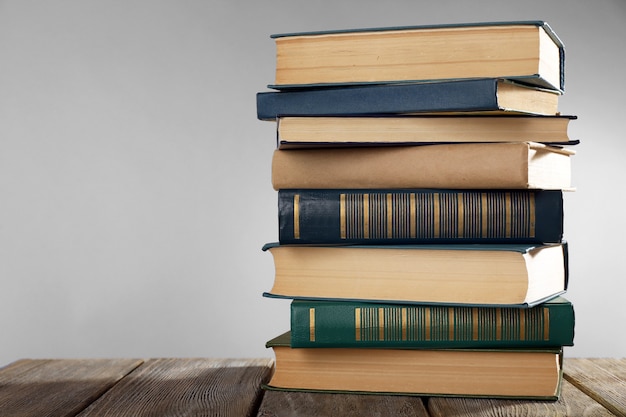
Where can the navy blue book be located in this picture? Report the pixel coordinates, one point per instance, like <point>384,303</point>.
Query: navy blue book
<point>416,216</point>
<point>463,96</point>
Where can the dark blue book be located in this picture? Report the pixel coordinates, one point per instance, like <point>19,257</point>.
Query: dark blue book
<point>333,216</point>
<point>476,95</point>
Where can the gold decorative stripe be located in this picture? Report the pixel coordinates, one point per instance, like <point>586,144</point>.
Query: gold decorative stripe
<point>413,215</point>
<point>389,216</point>
<point>532,215</point>
<point>485,213</point>
<point>436,213</point>
<point>451,323</point>
<point>366,216</point>
<point>498,323</point>
<point>522,325</point>
<point>296,216</point>
<point>427,323</point>
<point>474,323</point>
<point>312,324</point>
<point>460,215</point>
<point>507,214</point>
<point>404,323</point>
<point>342,216</point>
<point>381,324</point>
<point>546,323</point>
<point>357,323</point>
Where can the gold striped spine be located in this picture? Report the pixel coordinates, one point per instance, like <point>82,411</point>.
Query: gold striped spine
<point>381,324</point>
<point>427,329</point>
<point>296,216</point>
<point>312,324</point>
<point>357,324</point>
<point>546,323</point>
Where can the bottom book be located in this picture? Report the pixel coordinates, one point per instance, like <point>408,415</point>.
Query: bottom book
<point>486,373</point>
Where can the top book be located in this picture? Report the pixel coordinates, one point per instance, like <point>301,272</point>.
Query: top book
<point>525,51</point>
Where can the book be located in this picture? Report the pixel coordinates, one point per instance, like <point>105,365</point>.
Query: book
<point>378,216</point>
<point>481,96</point>
<point>318,324</point>
<point>507,373</point>
<point>523,165</point>
<point>313,132</point>
<point>527,51</point>
<point>447,274</point>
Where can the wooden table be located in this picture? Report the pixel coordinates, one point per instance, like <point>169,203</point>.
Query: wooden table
<point>231,387</point>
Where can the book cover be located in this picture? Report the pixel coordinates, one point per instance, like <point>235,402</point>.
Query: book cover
<point>344,216</point>
<point>524,165</point>
<point>294,132</point>
<point>527,51</point>
<point>339,323</point>
<point>478,96</point>
<point>485,274</point>
<point>481,373</point>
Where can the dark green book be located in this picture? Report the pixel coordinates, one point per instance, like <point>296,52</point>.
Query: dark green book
<point>419,216</point>
<point>354,324</point>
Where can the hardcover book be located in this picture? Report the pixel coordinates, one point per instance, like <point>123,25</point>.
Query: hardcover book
<point>494,373</point>
<point>337,323</point>
<point>447,274</point>
<point>455,96</point>
<point>314,132</point>
<point>527,51</point>
<point>345,216</point>
<point>524,165</point>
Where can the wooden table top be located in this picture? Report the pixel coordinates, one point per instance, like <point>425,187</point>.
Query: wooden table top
<point>231,387</point>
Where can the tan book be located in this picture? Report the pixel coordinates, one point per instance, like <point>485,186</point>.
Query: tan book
<point>486,274</point>
<point>495,373</point>
<point>523,165</point>
<point>316,132</point>
<point>528,52</point>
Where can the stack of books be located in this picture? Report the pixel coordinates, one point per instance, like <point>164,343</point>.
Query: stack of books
<point>420,175</point>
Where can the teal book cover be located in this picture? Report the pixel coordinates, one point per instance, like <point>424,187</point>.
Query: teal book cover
<point>339,323</point>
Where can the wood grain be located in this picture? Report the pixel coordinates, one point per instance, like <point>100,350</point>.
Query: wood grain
<point>57,387</point>
<point>305,404</point>
<point>604,380</point>
<point>572,403</point>
<point>187,387</point>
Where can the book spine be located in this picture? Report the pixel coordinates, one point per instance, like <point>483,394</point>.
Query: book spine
<point>326,216</point>
<point>345,324</point>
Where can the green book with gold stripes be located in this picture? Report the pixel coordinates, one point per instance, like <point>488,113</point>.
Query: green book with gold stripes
<point>357,324</point>
<point>331,216</point>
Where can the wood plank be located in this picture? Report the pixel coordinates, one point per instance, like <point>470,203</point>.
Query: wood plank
<point>604,380</point>
<point>573,403</point>
<point>187,387</point>
<point>60,388</point>
<point>304,404</point>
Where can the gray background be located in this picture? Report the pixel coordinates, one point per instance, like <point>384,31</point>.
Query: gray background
<point>135,187</point>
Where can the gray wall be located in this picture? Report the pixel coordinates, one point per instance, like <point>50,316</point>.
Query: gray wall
<point>135,190</point>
